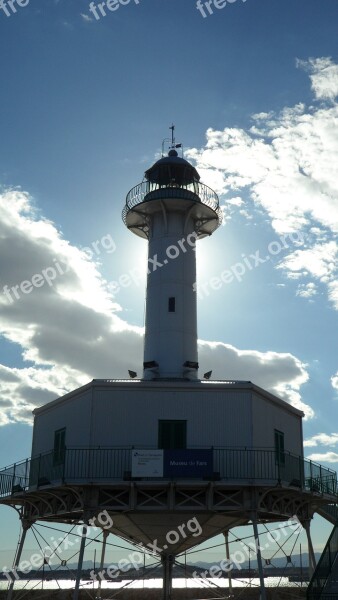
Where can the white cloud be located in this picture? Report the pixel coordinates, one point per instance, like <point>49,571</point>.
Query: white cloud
<point>86,18</point>
<point>306,290</point>
<point>236,201</point>
<point>323,75</point>
<point>287,164</point>
<point>329,457</point>
<point>334,381</point>
<point>333,292</point>
<point>290,168</point>
<point>69,332</point>
<point>322,439</point>
<point>320,261</point>
<point>66,329</point>
<point>281,374</point>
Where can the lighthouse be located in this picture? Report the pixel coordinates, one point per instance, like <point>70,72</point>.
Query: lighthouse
<point>172,209</point>
<point>170,459</point>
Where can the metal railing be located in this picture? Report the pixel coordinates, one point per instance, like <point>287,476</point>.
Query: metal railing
<point>192,191</point>
<point>327,565</point>
<point>85,465</point>
<point>14,478</point>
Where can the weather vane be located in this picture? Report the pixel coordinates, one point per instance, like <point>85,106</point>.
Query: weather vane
<point>172,141</point>
<point>172,135</point>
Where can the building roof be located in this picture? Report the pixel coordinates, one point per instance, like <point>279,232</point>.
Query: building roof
<point>162,384</point>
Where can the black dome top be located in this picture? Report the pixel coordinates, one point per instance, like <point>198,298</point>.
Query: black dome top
<point>171,170</point>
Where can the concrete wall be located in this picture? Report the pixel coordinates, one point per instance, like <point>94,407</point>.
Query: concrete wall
<point>74,414</point>
<point>131,417</point>
<point>267,417</point>
<point>127,415</point>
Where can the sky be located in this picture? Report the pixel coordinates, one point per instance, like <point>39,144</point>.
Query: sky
<point>87,98</point>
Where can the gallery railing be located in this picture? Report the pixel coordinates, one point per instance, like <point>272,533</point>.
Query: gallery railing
<point>86,465</point>
<point>199,192</point>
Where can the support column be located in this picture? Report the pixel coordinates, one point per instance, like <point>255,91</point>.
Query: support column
<point>167,562</point>
<point>103,552</point>
<point>80,562</point>
<point>227,552</point>
<point>25,526</point>
<point>312,558</point>
<point>259,559</point>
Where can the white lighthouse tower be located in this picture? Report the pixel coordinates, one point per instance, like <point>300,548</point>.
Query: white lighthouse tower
<point>172,209</point>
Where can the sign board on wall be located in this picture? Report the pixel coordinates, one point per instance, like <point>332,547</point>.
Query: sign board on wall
<point>172,463</point>
<point>188,463</point>
<point>147,463</point>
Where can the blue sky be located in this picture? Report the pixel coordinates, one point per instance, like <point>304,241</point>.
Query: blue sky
<point>85,104</point>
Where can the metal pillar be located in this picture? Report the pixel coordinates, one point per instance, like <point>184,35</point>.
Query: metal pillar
<point>259,559</point>
<point>103,552</point>
<point>249,567</point>
<point>312,558</point>
<point>227,552</point>
<point>79,565</point>
<point>167,562</point>
<point>25,526</point>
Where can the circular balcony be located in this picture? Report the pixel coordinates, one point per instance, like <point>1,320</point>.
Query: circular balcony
<point>148,197</point>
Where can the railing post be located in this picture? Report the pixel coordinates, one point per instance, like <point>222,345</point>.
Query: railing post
<point>13,478</point>
<point>321,480</point>
<point>39,466</point>
<point>301,472</point>
<point>64,465</point>
<point>26,474</point>
<point>278,467</point>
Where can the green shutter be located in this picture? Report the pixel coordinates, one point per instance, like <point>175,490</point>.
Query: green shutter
<point>172,434</point>
<point>279,447</point>
<point>59,446</point>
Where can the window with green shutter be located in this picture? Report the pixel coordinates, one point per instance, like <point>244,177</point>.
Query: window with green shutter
<point>279,447</point>
<point>172,434</point>
<point>59,446</point>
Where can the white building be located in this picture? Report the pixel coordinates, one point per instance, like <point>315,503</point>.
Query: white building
<point>176,414</point>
